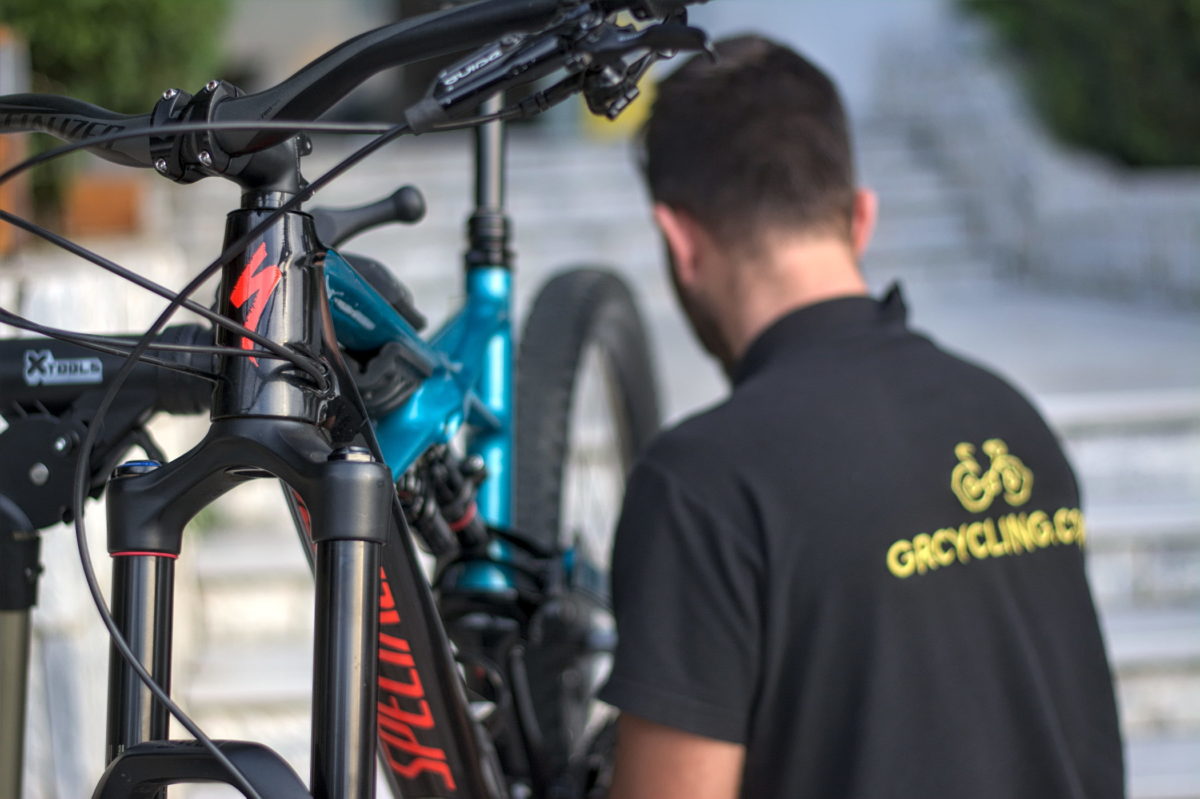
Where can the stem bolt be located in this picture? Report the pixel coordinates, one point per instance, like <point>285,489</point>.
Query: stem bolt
<point>161,165</point>
<point>170,94</point>
<point>39,475</point>
<point>212,85</point>
<point>206,158</point>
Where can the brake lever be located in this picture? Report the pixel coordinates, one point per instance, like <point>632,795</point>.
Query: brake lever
<point>511,61</point>
<point>591,49</point>
<point>612,81</point>
<point>665,38</point>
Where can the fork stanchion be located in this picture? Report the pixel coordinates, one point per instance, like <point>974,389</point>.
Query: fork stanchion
<point>142,602</point>
<point>143,597</point>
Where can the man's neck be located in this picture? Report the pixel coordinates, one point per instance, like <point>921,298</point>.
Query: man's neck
<point>790,276</point>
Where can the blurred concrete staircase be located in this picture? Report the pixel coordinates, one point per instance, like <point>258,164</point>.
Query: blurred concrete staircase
<point>251,678</point>
<point>581,203</point>
<point>1137,454</point>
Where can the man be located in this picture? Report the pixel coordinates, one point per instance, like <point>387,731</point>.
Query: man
<point>862,574</point>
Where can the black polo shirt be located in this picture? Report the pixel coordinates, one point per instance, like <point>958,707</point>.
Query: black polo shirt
<point>866,565</point>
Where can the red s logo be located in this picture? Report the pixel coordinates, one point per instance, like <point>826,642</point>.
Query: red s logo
<point>255,287</point>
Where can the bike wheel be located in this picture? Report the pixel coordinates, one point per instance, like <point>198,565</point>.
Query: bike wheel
<point>586,405</point>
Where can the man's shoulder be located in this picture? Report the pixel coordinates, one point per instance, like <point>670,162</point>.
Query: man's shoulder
<point>692,484</point>
<point>707,437</point>
<point>699,462</point>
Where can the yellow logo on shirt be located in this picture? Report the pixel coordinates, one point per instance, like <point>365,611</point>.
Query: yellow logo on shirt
<point>1010,534</point>
<point>976,488</point>
<point>1006,535</point>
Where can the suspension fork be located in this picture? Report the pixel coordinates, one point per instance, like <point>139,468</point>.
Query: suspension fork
<point>349,496</point>
<point>268,419</point>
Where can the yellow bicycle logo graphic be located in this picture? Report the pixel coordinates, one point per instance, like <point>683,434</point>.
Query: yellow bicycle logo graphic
<point>976,488</point>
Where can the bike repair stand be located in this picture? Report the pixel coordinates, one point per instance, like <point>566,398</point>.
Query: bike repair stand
<point>19,572</point>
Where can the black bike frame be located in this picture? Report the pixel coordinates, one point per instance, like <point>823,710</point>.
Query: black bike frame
<point>267,420</point>
<point>383,667</point>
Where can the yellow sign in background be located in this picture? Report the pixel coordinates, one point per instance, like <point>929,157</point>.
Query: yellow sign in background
<point>632,118</point>
<point>628,123</point>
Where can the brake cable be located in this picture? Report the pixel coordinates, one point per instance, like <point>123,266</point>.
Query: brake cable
<point>604,57</point>
<point>89,441</point>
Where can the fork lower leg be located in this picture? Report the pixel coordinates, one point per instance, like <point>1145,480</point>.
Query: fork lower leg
<point>349,525</point>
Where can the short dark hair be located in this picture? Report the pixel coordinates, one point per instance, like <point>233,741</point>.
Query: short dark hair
<point>752,144</point>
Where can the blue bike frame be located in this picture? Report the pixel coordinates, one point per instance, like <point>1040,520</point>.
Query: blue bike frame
<point>469,368</point>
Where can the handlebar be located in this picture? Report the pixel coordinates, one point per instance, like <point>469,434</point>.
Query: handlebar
<point>75,120</point>
<point>316,87</point>
<point>305,95</point>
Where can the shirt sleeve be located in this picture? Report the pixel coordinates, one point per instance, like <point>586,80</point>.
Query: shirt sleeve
<point>686,598</point>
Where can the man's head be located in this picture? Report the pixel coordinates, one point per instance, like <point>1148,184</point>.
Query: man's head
<point>749,163</point>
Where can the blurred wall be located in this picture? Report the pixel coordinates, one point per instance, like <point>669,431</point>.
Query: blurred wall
<point>300,31</point>
<point>840,35</point>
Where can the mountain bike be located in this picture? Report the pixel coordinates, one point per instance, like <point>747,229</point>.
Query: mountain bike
<point>477,682</point>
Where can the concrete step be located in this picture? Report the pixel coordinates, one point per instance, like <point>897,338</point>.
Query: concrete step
<point>254,691</point>
<point>1156,660</point>
<point>286,730</point>
<point>1132,446</point>
<point>257,591</point>
<point>1163,768</point>
<point>1134,409</point>
<point>1135,452</point>
<point>231,677</point>
<point>1144,556</point>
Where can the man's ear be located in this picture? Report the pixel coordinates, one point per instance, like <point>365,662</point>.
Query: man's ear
<point>862,226</point>
<point>682,236</point>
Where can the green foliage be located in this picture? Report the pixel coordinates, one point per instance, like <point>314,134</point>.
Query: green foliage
<point>1118,76</point>
<point>119,54</point>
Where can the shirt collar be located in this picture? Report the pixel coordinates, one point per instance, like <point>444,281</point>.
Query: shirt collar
<point>820,324</point>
